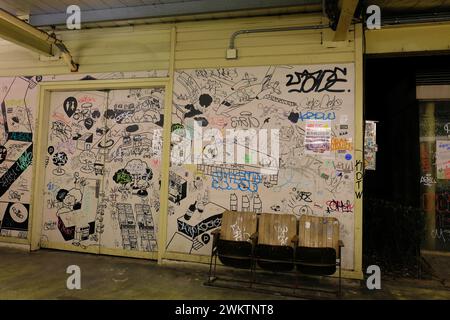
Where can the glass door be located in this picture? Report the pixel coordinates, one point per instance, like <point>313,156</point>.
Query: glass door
<point>435,168</point>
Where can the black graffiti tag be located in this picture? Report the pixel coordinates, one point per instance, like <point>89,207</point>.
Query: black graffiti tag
<point>318,81</point>
<point>302,195</point>
<point>70,106</point>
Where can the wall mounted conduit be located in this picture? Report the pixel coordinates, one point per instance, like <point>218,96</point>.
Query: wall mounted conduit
<point>232,51</point>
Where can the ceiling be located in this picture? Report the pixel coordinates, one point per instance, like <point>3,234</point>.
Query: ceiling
<point>53,12</point>
<point>100,13</point>
<point>390,7</point>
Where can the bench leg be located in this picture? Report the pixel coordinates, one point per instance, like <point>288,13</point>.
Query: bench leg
<point>215,265</point>
<point>252,272</point>
<point>340,274</point>
<point>296,277</point>
<point>210,266</point>
<point>340,287</point>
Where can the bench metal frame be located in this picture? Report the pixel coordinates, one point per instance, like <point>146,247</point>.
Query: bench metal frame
<point>213,278</point>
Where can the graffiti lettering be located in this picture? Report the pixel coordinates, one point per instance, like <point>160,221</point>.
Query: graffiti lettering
<point>427,180</point>
<point>86,99</point>
<point>325,103</point>
<point>441,234</point>
<point>241,180</point>
<point>294,117</point>
<point>21,136</point>
<point>245,120</point>
<point>358,178</point>
<point>204,226</point>
<point>343,167</point>
<point>321,80</point>
<point>302,196</point>
<point>281,232</point>
<point>339,206</point>
<point>25,160</point>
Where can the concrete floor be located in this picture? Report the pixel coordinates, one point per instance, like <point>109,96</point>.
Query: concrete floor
<point>42,275</point>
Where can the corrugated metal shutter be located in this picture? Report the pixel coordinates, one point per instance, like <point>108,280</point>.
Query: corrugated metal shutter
<point>433,77</point>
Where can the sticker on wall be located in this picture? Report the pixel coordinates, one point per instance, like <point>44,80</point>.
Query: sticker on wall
<point>341,145</point>
<point>443,159</point>
<point>317,137</point>
<point>370,145</point>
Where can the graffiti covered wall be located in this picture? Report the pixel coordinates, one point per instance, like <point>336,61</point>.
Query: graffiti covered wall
<point>19,105</point>
<point>308,110</point>
<point>104,151</point>
<point>18,111</point>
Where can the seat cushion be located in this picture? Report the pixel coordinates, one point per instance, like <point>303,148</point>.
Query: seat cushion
<point>285,255</point>
<point>325,258</point>
<point>235,254</point>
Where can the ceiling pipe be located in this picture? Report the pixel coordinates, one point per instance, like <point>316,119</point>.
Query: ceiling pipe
<point>428,18</point>
<point>25,35</point>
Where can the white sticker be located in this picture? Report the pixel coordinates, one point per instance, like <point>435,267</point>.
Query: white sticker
<point>307,225</point>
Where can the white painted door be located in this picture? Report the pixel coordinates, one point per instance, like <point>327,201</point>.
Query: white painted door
<point>103,172</point>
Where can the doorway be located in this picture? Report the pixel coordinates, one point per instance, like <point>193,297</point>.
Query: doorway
<point>395,226</point>
<point>103,170</point>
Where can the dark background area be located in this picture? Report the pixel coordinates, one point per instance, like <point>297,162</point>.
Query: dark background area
<point>393,221</point>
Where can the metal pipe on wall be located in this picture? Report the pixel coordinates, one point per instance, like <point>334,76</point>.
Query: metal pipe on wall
<point>247,31</point>
<point>232,51</point>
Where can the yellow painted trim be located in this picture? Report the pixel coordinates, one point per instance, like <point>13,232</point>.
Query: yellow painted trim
<point>164,192</point>
<point>435,253</point>
<point>359,145</point>
<point>22,34</point>
<point>323,57</point>
<point>345,19</point>
<point>14,240</point>
<point>187,257</point>
<point>350,274</point>
<point>55,69</point>
<point>104,84</point>
<point>39,152</point>
<point>96,249</point>
<point>129,253</point>
<point>69,247</point>
<point>408,38</point>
